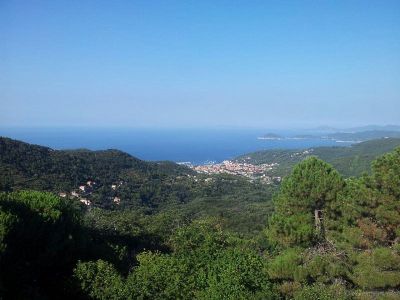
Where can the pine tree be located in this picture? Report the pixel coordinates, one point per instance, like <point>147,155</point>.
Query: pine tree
<point>306,197</point>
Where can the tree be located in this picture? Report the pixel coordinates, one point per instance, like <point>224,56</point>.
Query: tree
<point>99,280</point>
<point>386,173</point>
<point>40,238</point>
<point>370,207</point>
<point>205,264</point>
<point>386,179</point>
<point>306,197</point>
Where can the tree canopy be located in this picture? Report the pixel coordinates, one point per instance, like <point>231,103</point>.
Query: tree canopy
<point>312,186</point>
<point>328,238</point>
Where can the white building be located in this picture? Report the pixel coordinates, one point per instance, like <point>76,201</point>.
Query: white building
<point>85,201</point>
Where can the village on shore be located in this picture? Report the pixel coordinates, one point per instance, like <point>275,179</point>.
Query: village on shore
<point>252,172</point>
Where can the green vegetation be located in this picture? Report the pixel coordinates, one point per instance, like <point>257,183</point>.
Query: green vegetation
<point>349,161</point>
<point>364,135</point>
<point>356,244</point>
<point>200,266</point>
<point>328,238</point>
<point>311,189</point>
<point>356,134</point>
<point>41,238</point>
<point>29,166</point>
<point>146,187</point>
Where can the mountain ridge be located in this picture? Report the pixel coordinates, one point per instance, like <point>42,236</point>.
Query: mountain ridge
<point>350,161</point>
<point>34,163</point>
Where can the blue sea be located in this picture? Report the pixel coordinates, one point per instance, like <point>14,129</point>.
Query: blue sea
<point>198,146</point>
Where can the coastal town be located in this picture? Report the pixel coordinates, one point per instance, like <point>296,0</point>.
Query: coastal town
<point>250,171</point>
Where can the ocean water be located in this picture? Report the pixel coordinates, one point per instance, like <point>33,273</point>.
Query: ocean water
<point>180,145</point>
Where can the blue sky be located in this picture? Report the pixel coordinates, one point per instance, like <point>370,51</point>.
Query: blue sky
<point>199,63</point>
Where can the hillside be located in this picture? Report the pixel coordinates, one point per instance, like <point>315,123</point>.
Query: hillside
<point>349,161</point>
<point>328,238</point>
<point>364,135</point>
<point>38,167</point>
<point>112,179</point>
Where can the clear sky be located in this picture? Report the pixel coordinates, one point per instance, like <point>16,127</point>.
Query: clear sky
<point>199,63</point>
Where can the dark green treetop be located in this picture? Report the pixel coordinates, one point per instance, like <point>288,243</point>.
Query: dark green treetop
<point>312,186</point>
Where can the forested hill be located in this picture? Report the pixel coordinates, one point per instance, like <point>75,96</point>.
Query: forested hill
<point>24,165</point>
<point>125,183</point>
<point>327,238</point>
<point>349,161</point>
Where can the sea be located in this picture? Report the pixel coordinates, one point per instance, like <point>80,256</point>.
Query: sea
<point>195,146</point>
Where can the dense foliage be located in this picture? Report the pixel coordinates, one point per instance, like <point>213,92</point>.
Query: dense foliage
<point>146,187</point>
<point>312,187</point>
<point>205,263</point>
<point>29,166</point>
<point>40,238</point>
<point>349,161</point>
<point>358,253</point>
<point>328,238</point>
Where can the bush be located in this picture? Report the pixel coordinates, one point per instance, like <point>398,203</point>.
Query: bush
<point>285,265</point>
<point>40,240</point>
<point>322,292</point>
<point>99,280</point>
<point>377,269</point>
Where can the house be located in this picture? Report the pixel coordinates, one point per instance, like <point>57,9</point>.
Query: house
<point>113,186</point>
<point>117,200</point>
<point>82,188</point>
<point>85,201</point>
<point>62,195</point>
<point>74,194</point>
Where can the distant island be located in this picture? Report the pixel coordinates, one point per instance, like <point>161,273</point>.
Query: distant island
<point>340,137</point>
<point>304,137</point>
<point>271,136</point>
<point>330,129</point>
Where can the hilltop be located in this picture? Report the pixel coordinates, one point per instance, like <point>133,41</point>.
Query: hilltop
<point>36,167</point>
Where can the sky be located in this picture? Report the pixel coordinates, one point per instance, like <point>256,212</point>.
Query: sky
<point>203,64</point>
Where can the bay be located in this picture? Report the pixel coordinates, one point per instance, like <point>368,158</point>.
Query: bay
<point>198,146</point>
